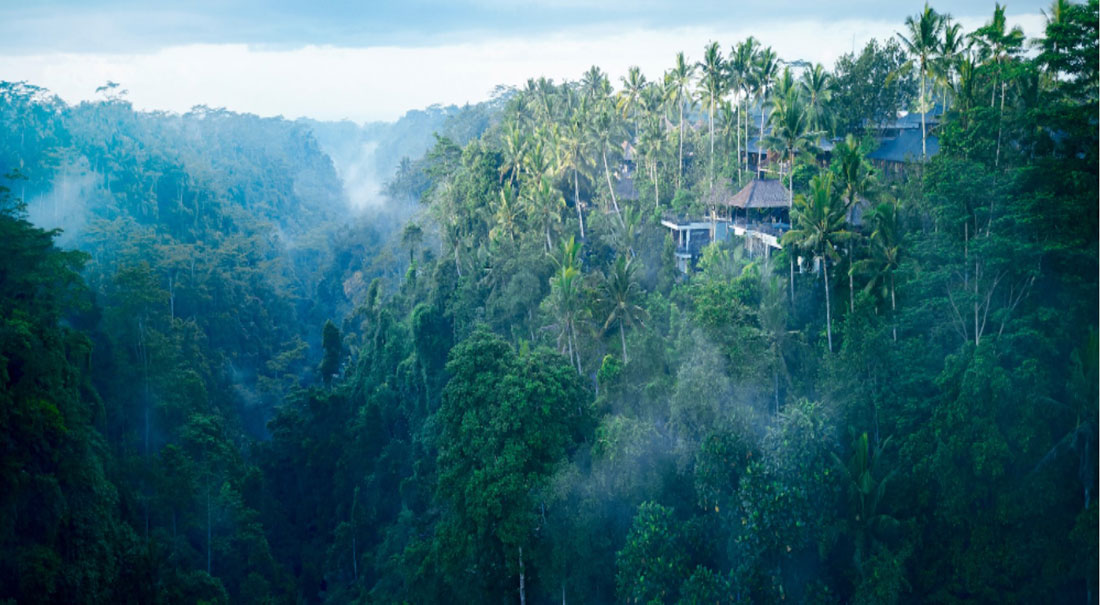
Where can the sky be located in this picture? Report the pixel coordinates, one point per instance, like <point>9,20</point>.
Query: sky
<point>373,61</point>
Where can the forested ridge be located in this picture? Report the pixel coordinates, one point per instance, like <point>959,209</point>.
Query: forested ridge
<point>225,379</point>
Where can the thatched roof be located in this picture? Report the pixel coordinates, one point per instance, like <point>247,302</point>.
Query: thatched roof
<point>760,193</point>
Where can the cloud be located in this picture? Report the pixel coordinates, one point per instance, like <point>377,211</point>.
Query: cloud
<point>382,82</point>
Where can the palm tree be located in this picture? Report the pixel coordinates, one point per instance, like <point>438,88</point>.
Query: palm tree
<point>680,79</point>
<point>620,292</point>
<point>819,227</point>
<point>764,70</point>
<point>654,145</point>
<point>817,86</point>
<point>790,132</point>
<point>885,251</point>
<point>514,146</point>
<point>505,215</point>
<point>571,149</point>
<point>630,97</point>
<point>605,131</point>
<point>946,61</point>
<point>595,85</point>
<point>565,297</point>
<point>543,203</point>
<point>742,61</point>
<point>712,85</point>
<point>856,178</point>
<point>922,44</point>
<point>998,44</point>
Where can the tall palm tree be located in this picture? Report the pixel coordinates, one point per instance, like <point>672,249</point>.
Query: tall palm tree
<point>680,78</point>
<point>606,131</point>
<point>819,227</point>
<point>945,64</point>
<point>505,215</point>
<point>790,122</point>
<point>742,61</point>
<point>885,252</point>
<point>855,179</point>
<point>922,44</point>
<point>595,85</point>
<point>998,45</point>
<point>540,159</point>
<point>790,134</point>
<point>817,86</point>
<point>630,97</point>
<point>565,298</point>
<point>764,71</point>
<point>514,146</point>
<point>543,204</point>
<point>712,86</point>
<point>655,147</point>
<point>621,294</point>
<point>571,153</point>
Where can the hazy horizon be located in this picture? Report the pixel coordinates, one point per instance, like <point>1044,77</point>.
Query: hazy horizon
<point>377,65</point>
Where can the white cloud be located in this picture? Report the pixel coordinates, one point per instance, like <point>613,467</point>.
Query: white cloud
<point>382,82</point>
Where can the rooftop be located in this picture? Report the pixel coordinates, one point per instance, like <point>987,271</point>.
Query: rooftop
<point>759,193</point>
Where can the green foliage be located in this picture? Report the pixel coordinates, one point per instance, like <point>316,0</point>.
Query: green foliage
<point>231,394</point>
<point>653,562</point>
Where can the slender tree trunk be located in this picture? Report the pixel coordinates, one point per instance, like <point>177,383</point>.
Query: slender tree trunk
<point>851,283</point>
<point>577,346</point>
<point>657,190</point>
<point>893,308</point>
<point>760,142</point>
<point>522,580</point>
<point>679,179</point>
<point>577,201</point>
<point>828,309</point>
<point>923,128</point>
<point>790,255</point>
<point>712,141</point>
<point>738,136</point>
<point>611,188</point>
<point>1000,120</point>
<point>622,337</point>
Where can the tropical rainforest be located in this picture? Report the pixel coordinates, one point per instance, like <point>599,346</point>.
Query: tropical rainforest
<point>220,384</point>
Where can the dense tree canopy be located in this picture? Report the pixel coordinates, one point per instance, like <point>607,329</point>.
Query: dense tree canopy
<point>215,386</point>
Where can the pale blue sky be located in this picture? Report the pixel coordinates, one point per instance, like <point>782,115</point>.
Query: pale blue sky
<point>366,61</point>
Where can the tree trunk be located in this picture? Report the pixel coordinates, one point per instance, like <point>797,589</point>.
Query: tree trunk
<point>712,141</point>
<point>828,310</point>
<point>893,308</point>
<point>611,188</point>
<point>679,178</point>
<point>851,283</point>
<point>522,579</point>
<point>760,141</point>
<point>738,135</point>
<point>997,158</point>
<point>576,202</point>
<point>576,346</point>
<point>923,129</point>
<point>622,337</point>
<point>790,255</point>
<point>657,190</point>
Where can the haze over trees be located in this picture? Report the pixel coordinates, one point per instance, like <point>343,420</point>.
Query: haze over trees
<point>217,387</point>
